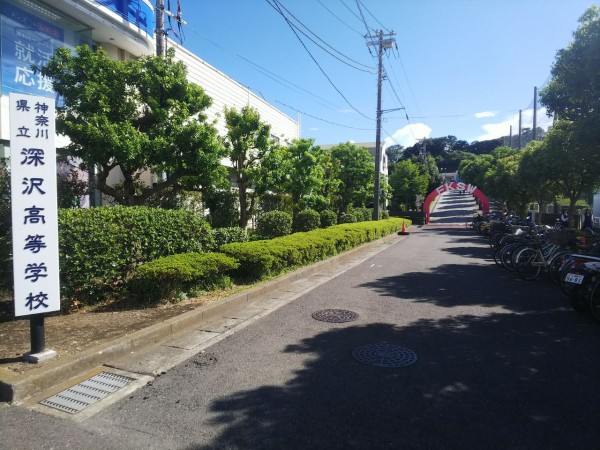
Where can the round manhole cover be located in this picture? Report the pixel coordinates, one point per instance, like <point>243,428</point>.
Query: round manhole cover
<point>384,354</point>
<point>335,315</point>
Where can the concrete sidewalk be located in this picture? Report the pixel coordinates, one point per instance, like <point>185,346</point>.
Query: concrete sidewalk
<point>154,350</point>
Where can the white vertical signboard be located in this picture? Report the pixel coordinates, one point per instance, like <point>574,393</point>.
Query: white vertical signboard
<point>34,204</point>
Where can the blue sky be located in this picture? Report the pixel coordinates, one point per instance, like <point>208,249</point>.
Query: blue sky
<point>462,67</point>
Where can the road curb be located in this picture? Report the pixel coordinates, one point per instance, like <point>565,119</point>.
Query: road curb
<point>16,387</point>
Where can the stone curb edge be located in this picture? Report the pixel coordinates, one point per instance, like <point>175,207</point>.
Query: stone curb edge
<point>17,387</point>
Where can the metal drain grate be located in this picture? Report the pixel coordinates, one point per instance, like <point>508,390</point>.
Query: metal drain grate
<point>384,354</point>
<point>335,315</point>
<point>78,397</point>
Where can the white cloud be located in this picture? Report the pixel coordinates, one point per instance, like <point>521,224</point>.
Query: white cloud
<point>408,135</point>
<point>499,129</point>
<point>483,114</point>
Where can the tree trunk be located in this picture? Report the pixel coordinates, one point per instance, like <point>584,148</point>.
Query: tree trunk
<point>243,204</point>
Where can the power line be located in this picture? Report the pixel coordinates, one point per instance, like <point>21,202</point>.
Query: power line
<point>318,65</point>
<point>352,12</point>
<point>323,120</point>
<point>278,9</point>
<point>371,14</point>
<point>362,18</point>
<point>263,70</point>
<point>331,12</point>
<point>406,78</point>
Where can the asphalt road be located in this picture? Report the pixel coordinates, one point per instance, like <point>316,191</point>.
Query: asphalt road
<point>501,364</point>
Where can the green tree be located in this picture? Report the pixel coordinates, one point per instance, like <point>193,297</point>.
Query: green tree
<point>407,181</point>
<point>133,116</point>
<point>354,168</point>
<point>248,140</point>
<point>474,171</point>
<point>70,188</point>
<point>543,190</point>
<point>504,183</point>
<point>570,162</point>
<point>298,170</point>
<point>573,92</point>
<point>331,183</point>
<point>394,154</point>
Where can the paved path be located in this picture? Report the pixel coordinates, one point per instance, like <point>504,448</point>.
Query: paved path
<point>501,363</point>
<point>453,209</point>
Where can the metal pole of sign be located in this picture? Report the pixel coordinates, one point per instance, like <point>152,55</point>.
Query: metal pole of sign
<point>37,333</point>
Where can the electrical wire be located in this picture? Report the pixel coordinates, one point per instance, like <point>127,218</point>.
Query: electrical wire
<point>319,66</point>
<point>362,18</point>
<point>278,9</point>
<point>269,74</point>
<point>352,12</point>
<point>323,120</point>
<point>331,12</point>
<point>376,20</point>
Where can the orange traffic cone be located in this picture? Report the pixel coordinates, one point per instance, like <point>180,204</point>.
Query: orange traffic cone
<point>404,231</point>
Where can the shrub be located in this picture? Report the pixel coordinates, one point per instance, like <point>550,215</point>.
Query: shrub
<point>175,276</point>
<point>260,259</point>
<point>328,218</point>
<point>363,214</point>
<point>223,209</point>
<point>347,218</point>
<point>227,235</point>
<point>384,215</point>
<point>307,220</point>
<point>274,224</point>
<point>99,247</point>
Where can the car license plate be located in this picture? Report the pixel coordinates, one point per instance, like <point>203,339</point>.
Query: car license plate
<point>574,278</point>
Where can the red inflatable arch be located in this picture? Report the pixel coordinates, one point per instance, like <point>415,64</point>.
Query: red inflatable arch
<point>483,202</point>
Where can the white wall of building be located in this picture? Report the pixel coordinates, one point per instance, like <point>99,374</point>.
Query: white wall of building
<point>123,40</point>
<point>227,92</point>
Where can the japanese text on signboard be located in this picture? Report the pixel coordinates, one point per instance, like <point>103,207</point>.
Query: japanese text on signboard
<point>34,207</point>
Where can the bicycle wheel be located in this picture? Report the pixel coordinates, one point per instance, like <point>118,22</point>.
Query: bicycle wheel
<point>511,259</point>
<point>528,264</point>
<point>498,257</point>
<point>506,256</point>
<point>555,266</point>
<point>595,300</point>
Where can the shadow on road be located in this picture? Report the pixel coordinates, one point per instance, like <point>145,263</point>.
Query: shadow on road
<point>497,381</point>
<point>524,378</point>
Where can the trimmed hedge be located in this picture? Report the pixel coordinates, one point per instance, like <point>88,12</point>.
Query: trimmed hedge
<point>99,247</point>
<point>175,276</point>
<point>260,259</point>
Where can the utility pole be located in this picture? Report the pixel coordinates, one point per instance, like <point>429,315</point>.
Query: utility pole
<point>520,117</point>
<point>382,42</point>
<point>160,28</point>
<point>534,113</point>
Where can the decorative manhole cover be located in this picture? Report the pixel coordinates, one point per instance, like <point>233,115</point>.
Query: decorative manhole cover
<point>335,315</point>
<point>384,354</point>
